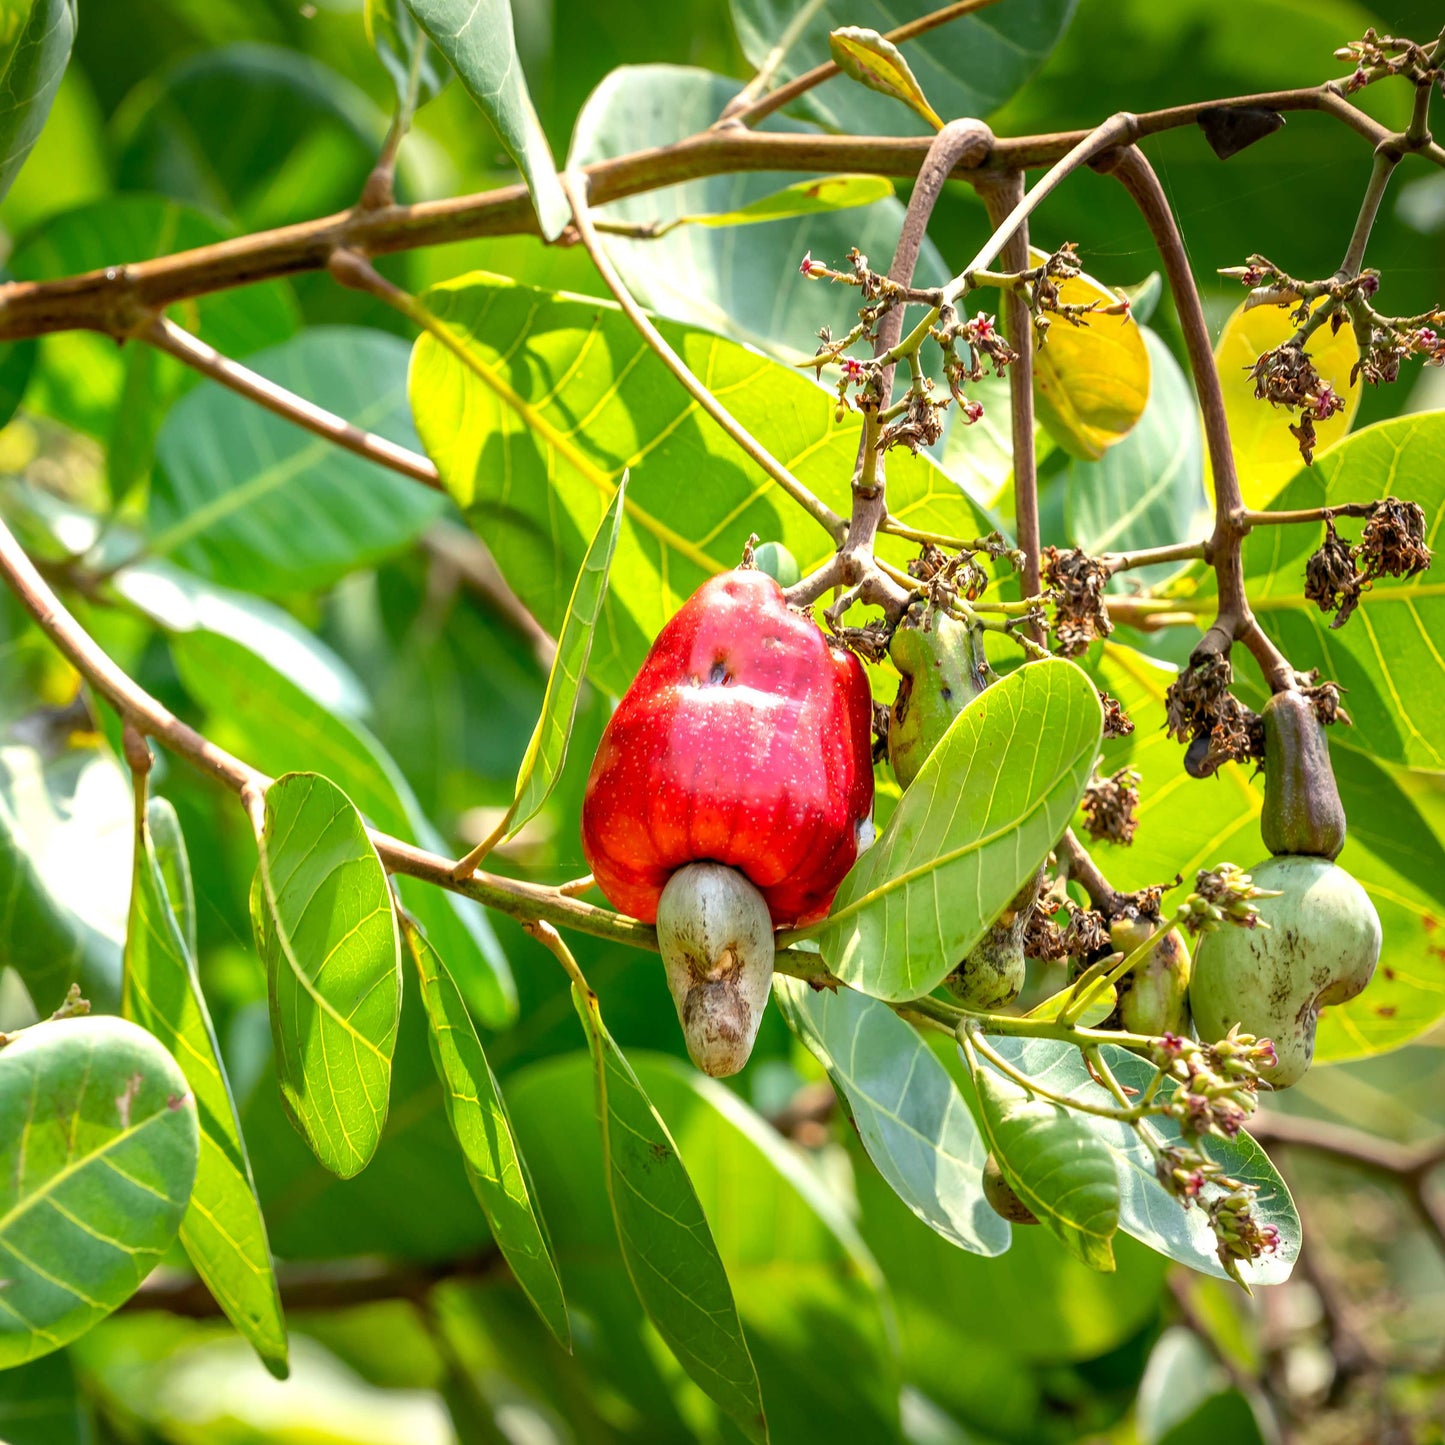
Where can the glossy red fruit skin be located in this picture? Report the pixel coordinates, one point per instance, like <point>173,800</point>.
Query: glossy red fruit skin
<point>745,739</point>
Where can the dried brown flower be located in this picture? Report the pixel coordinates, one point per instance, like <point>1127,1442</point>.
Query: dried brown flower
<point>1076,588</point>
<point>1109,806</point>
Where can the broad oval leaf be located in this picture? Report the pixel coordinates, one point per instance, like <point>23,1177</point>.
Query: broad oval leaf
<point>478,1116</point>
<point>322,914</point>
<point>34,50</point>
<point>223,1231</point>
<point>477,38</point>
<point>1056,1165</point>
<point>865,56</point>
<point>281,728</point>
<point>98,1147</point>
<point>251,500</point>
<point>969,66</point>
<point>65,859</point>
<point>1266,455</point>
<point>992,799</point>
<point>1091,382</point>
<point>1148,489</point>
<point>666,1243</point>
<point>910,1116</point>
<point>532,405</point>
<point>1146,1211</point>
<point>707,276</point>
<point>547,750</point>
<point>40,1404</point>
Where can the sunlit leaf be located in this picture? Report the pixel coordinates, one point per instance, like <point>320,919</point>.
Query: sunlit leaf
<point>802,198</point>
<point>534,406</point>
<point>982,814</point>
<point>1266,455</point>
<point>98,1146</point>
<point>913,1122</point>
<point>321,910</point>
<point>478,1117</point>
<point>1055,1165</point>
<point>669,1249</point>
<point>969,66</point>
<point>476,36</point>
<point>35,41</point>
<point>1091,381</point>
<point>1146,1211</point>
<point>223,1231</point>
<point>865,56</point>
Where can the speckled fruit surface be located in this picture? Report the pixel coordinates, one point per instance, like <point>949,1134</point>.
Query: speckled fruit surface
<point>745,739</point>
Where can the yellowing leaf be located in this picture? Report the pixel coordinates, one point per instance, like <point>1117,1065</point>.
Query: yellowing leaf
<point>1266,454</point>
<point>865,56</point>
<point>1091,382</point>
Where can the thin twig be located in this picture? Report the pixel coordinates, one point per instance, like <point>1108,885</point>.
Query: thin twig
<point>574,185</point>
<point>166,336</point>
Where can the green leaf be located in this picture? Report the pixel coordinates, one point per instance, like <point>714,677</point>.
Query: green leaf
<point>34,49</point>
<point>280,728</point>
<point>992,799</point>
<point>477,37</point>
<point>223,1231</point>
<point>802,198</point>
<point>865,56</point>
<point>1185,825</point>
<point>478,1116</point>
<point>169,845</point>
<point>910,1116</point>
<point>98,1146</point>
<point>64,861</point>
<point>798,1270</point>
<point>40,1404</point>
<point>321,909</point>
<point>1148,489</point>
<point>534,405</point>
<point>416,70</point>
<point>703,274</point>
<point>547,750</point>
<point>1388,657</point>
<point>1055,1164</point>
<point>968,67</point>
<point>666,1243</point>
<point>1146,1211</point>
<point>250,500</point>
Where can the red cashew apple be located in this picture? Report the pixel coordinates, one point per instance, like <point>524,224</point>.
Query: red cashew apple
<point>729,796</point>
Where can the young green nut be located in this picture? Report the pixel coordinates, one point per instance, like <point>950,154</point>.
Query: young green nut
<point>1320,948</point>
<point>716,940</point>
<point>1154,998</point>
<point>1302,809</point>
<point>993,973</point>
<point>943,669</point>
<point>1001,1197</point>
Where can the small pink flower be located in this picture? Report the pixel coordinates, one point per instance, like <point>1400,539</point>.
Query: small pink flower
<point>972,410</point>
<point>852,369</point>
<point>811,268</point>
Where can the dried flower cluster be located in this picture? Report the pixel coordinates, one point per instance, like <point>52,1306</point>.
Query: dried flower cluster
<point>1076,584</point>
<point>1391,545</point>
<point>1201,711</point>
<point>1084,934</point>
<point>1109,806</point>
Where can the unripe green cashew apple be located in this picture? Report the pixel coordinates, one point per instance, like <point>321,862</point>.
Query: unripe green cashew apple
<point>1320,948</point>
<point>993,973</point>
<point>943,668</point>
<point>1154,997</point>
<point>730,794</point>
<point>1302,809</point>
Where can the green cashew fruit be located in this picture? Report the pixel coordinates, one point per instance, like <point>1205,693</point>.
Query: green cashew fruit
<point>779,563</point>
<point>993,973</point>
<point>943,669</point>
<point>1302,809</point>
<point>1001,1196</point>
<point>1320,948</point>
<point>1154,997</point>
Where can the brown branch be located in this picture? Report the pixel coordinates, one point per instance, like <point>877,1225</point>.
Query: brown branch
<point>117,299</point>
<point>319,1286</point>
<point>1234,618</point>
<point>166,336</point>
<point>751,110</point>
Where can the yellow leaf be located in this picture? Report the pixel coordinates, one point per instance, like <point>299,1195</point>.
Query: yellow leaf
<point>1091,382</point>
<point>865,56</point>
<point>1265,453</point>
